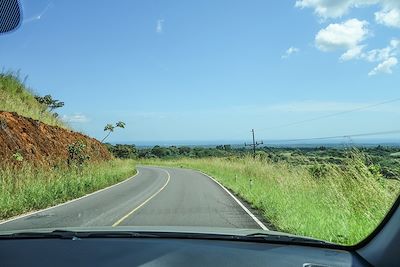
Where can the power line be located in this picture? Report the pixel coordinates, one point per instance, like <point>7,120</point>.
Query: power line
<point>338,136</point>
<point>331,115</point>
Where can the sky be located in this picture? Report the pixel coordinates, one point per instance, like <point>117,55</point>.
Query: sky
<point>213,70</point>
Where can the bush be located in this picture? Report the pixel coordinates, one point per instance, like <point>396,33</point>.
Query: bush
<point>77,155</point>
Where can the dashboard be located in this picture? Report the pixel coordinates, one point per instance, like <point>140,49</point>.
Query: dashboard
<point>167,252</point>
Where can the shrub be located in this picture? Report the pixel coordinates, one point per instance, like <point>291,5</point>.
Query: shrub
<point>77,154</point>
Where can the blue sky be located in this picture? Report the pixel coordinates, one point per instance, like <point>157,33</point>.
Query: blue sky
<point>212,70</point>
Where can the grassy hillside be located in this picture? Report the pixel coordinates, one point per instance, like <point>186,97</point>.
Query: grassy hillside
<point>16,97</point>
<point>342,204</point>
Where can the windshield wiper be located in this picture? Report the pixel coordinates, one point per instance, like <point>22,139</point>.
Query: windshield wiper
<point>75,235</point>
<point>63,234</point>
<point>285,238</point>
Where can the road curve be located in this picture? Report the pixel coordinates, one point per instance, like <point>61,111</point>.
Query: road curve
<point>155,197</point>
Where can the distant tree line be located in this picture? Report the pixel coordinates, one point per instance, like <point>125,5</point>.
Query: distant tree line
<point>385,159</point>
<point>131,151</point>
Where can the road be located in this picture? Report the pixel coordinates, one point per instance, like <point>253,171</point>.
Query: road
<point>154,197</point>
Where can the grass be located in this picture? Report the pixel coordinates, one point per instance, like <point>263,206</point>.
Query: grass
<point>27,188</point>
<point>16,97</point>
<point>341,204</point>
<point>397,154</point>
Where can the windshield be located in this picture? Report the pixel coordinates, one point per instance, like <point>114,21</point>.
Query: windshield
<point>217,115</point>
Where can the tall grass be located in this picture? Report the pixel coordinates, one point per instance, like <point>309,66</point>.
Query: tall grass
<point>16,97</point>
<point>340,204</point>
<point>26,188</point>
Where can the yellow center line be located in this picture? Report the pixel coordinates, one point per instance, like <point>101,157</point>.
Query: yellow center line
<point>141,205</point>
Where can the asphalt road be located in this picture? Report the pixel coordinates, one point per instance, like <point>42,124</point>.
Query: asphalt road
<point>154,197</point>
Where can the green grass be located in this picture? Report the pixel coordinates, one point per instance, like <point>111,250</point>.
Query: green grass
<point>27,188</point>
<point>397,155</point>
<point>343,205</point>
<point>16,97</point>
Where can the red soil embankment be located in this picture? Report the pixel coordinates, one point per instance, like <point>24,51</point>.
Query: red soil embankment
<point>41,143</point>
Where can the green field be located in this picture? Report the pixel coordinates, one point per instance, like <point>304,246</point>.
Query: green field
<point>341,204</point>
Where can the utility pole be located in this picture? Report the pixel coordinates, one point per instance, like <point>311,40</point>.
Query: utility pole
<point>254,144</point>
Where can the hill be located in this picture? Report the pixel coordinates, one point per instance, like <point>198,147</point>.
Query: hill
<point>16,97</point>
<point>30,131</point>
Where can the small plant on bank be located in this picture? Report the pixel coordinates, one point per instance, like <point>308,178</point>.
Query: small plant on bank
<point>17,157</point>
<point>77,154</point>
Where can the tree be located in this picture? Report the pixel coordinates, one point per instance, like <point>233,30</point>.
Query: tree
<point>110,128</point>
<point>49,103</point>
<point>123,151</point>
<point>120,124</point>
<point>184,150</point>
<point>159,151</point>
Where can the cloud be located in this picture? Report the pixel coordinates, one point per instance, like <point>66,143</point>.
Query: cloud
<point>384,67</point>
<point>333,9</point>
<point>347,35</point>
<point>376,55</point>
<point>386,56</point>
<point>291,50</point>
<point>75,118</point>
<point>389,17</point>
<point>159,27</point>
<point>352,53</point>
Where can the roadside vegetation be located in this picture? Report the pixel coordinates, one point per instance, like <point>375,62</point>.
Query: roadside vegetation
<point>16,97</point>
<point>25,188</point>
<point>341,203</point>
<point>26,183</point>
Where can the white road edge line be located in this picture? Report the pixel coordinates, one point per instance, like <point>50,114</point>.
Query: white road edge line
<point>68,202</point>
<point>240,203</point>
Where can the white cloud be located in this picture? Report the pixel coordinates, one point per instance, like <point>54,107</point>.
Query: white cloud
<point>159,26</point>
<point>333,8</point>
<point>291,50</point>
<point>352,53</point>
<point>75,118</point>
<point>384,67</point>
<point>347,35</point>
<point>386,56</point>
<point>376,55</point>
<point>389,17</point>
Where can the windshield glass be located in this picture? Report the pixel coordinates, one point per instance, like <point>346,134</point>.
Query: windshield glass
<point>217,115</point>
